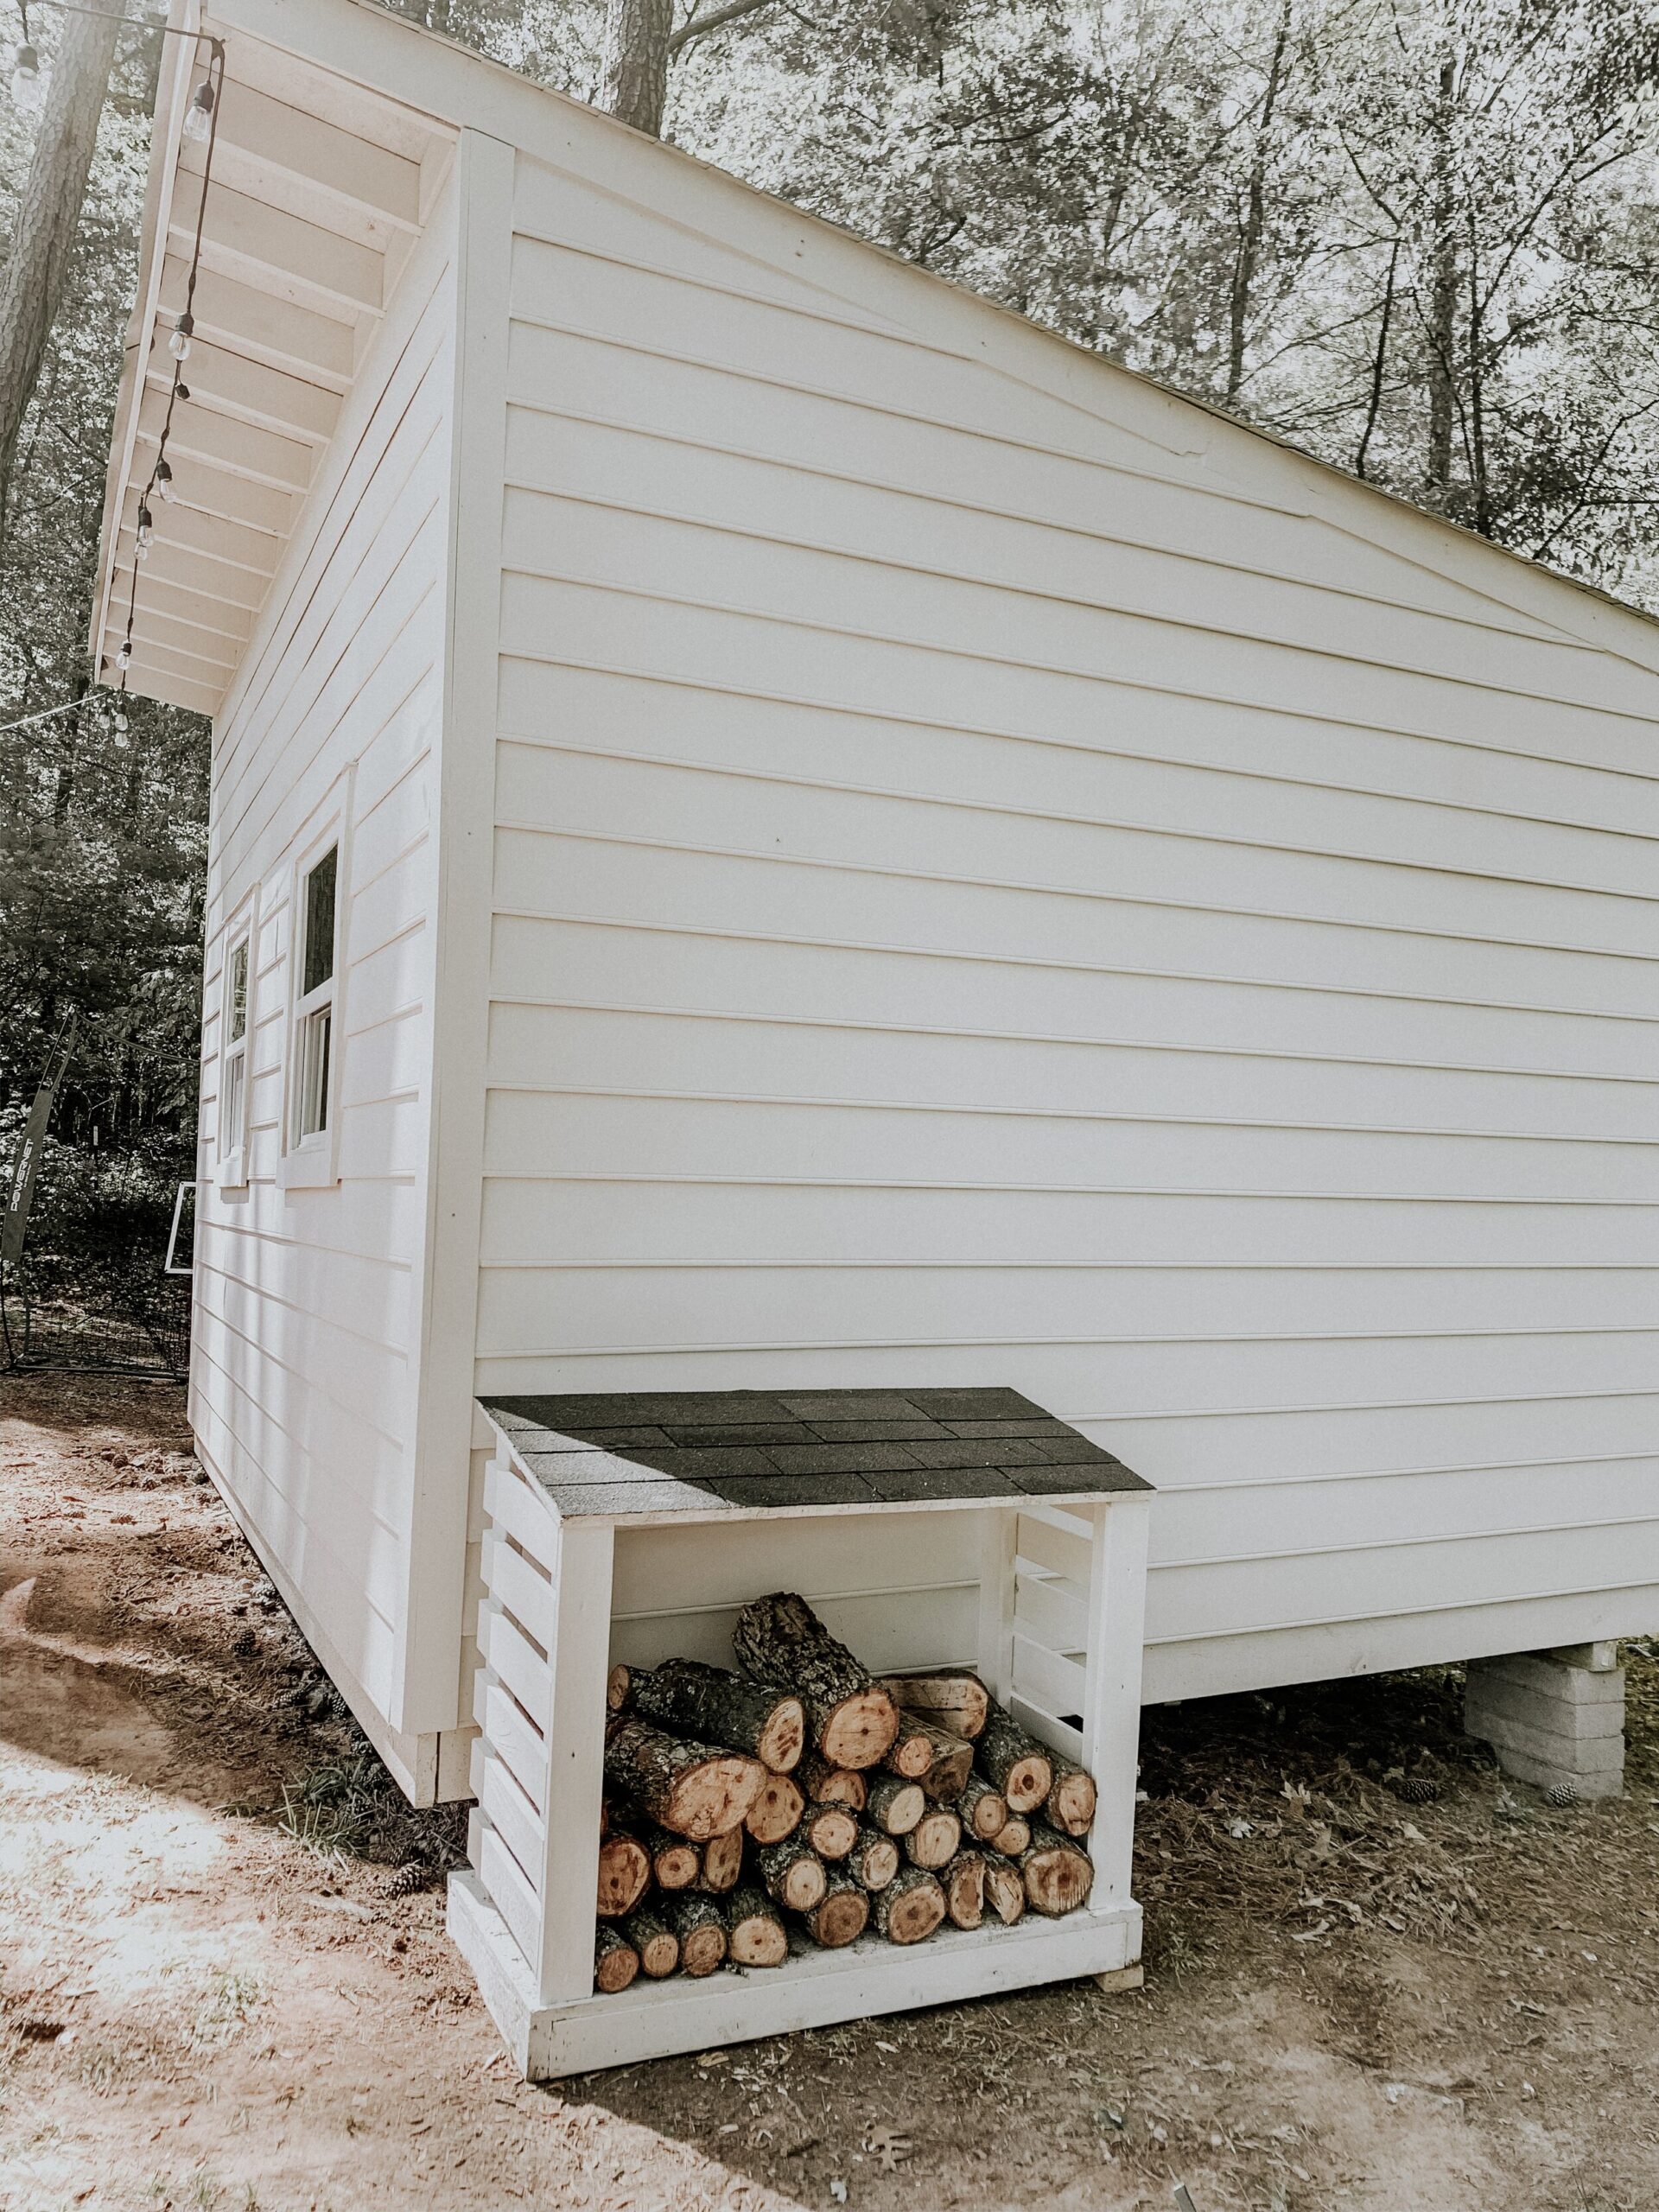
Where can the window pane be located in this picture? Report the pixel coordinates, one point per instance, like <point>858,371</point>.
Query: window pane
<point>319,921</point>
<point>315,1036</point>
<point>239,990</point>
<point>230,1127</point>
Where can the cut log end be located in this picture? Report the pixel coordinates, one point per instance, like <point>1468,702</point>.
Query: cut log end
<point>721,1862</point>
<point>1058,1876</point>
<point>840,1916</point>
<point>777,1811</point>
<point>910,1908</point>
<point>615,1960</point>
<point>1027,1782</point>
<point>675,1863</point>
<point>624,1875</point>
<point>895,1805</point>
<point>935,1839</point>
<point>1072,1801</point>
<point>755,1934</point>
<point>963,1884</point>
<point>858,1732</point>
<point>875,1859</point>
<point>701,1926</point>
<point>832,1830</point>
<point>831,1785</point>
<point>1012,1837</point>
<point>793,1873</point>
<point>960,1703</point>
<point>984,1811</point>
<point>911,1752</point>
<point>656,1942</point>
<point>781,1742</point>
<point>616,1687</point>
<point>1004,1890</point>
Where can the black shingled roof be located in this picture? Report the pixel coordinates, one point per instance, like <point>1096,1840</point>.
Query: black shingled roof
<point>655,1452</point>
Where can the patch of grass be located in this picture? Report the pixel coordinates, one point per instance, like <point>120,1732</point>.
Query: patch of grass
<point>336,1808</point>
<point>232,1996</point>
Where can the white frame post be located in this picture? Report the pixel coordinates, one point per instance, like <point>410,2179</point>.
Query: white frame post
<point>1111,1708</point>
<point>996,1558</point>
<point>579,1662</point>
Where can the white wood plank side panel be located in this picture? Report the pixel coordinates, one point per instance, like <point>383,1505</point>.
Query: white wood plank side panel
<point>674,481</point>
<point>998,880</point>
<point>306,1358</point>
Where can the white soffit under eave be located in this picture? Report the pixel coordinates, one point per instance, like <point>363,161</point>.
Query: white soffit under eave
<point>319,190</point>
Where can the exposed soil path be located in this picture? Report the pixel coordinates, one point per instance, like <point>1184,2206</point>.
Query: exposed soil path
<point>1377,1978</point>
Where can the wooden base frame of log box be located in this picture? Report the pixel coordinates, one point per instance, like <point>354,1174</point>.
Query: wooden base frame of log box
<point>1042,1595</point>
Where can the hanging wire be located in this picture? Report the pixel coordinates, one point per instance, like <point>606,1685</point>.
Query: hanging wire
<point>179,344</point>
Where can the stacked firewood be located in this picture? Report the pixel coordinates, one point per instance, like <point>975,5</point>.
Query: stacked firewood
<point>803,1793</point>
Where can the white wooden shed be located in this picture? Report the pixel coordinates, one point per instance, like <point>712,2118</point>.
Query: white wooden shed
<point>774,825</point>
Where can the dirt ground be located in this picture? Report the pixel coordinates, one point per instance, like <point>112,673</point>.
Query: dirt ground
<point>1377,1977</point>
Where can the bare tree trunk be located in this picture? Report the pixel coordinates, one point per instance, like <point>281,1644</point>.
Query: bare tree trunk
<point>633,77</point>
<point>1249,243</point>
<point>31,290</point>
<point>1442,299</point>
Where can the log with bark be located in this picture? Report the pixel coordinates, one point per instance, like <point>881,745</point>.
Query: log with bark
<point>832,1830</point>
<point>1005,1890</point>
<point>910,1908</point>
<point>935,1839</point>
<point>831,1785</point>
<point>1057,1872</point>
<point>963,1884</point>
<point>777,1811</point>
<point>623,1874</point>
<point>755,1936</point>
<point>984,1811</point>
<point>780,1642</point>
<point>700,1923</point>
<point>694,1790</point>
<point>951,1761</point>
<point>874,1859</point>
<point>895,1804</point>
<point>792,1873</point>
<point>911,1751</point>
<point>711,1705</point>
<point>1013,1762</point>
<point>675,1863</point>
<point>840,1916</point>
<point>1070,1803</point>
<point>615,1960</point>
<point>721,1863</point>
<point>656,1942</point>
<point>1012,1837</point>
<point>958,1702</point>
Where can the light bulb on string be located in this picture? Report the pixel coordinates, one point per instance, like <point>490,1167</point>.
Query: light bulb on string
<point>124,655</point>
<point>141,535</point>
<point>179,344</point>
<point>26,80</point>
<point>199,115</point>
<point>164,479</point>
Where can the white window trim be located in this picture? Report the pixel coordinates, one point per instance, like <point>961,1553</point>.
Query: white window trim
<point>231,1160</point>
<point>312,1163</point>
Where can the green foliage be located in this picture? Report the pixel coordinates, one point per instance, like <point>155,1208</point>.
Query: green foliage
<point>1417,238</point>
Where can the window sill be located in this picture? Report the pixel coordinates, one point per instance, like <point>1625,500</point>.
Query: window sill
<point>308,1168</point>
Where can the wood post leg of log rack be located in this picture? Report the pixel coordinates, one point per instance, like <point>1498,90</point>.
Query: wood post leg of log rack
<point>580,1659</point>
<point>1111,1714</point>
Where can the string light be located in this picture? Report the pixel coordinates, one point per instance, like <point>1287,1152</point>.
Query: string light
<point>200,125</point>
<point>25,80</point>
<point>199,115</point>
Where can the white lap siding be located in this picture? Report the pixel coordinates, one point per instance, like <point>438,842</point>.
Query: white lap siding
<point>1002,877</point>
<point>304,1381</point>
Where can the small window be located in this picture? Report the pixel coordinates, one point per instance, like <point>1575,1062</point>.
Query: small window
<point>314,1015</point>
<point>233,1063</point>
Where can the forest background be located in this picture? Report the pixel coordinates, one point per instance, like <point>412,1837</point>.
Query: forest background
<point>1419,239</point>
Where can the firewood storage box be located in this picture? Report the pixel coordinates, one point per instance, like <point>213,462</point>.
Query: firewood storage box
<point>935,1528</point>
